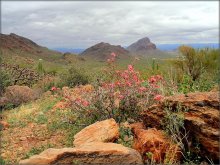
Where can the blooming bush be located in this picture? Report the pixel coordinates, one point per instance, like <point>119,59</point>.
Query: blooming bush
<point>122,98</point>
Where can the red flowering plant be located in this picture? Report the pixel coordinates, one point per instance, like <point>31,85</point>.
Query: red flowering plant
<point>121,98</point>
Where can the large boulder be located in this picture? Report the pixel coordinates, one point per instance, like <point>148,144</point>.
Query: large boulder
<point>101,131</point>
<point>90,153</point>
<point>201,119</point>
<point>154,145</point>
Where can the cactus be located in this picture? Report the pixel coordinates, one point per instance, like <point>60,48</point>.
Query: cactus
<point>20,76</point>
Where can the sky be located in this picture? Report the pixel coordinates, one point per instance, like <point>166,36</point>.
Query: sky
<point>75,24</point>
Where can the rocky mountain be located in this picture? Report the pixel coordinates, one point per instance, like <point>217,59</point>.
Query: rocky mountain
<point>145,48</point>
<point>142,45</point>
<point>102,51</point>
<point>15,45</point>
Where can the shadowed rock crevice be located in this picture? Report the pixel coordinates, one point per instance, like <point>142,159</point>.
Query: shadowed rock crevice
<point>201,122</point>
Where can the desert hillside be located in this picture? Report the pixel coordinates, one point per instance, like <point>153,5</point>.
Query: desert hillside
<point>102,51</point>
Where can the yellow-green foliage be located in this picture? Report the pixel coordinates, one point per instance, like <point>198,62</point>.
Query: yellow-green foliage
<point>195,62</point>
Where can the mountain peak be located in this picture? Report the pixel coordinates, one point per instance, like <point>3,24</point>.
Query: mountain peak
<point>143,44</point>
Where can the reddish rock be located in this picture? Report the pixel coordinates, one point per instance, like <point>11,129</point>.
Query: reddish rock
<point>4,124</point>
<point>101,131</point>
<point>90,153</point>
<point>154,146</point>
<point>201,119</point>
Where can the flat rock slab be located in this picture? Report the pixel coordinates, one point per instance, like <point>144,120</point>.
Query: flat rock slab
<point>90,153</point>
<point>101,131</point>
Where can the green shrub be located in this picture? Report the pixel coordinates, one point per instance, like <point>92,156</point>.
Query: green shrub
<point>47,82</point>
<point>196,69</point>
<point>74,77</point>
<point>5,80</point>
<point>126,136</point>
<point>194,62</point>
<point>2,162</point>
<point>40,68</point>
<point>20,75</point>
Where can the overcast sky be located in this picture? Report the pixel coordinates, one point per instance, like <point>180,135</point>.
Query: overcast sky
<point>82,24</point>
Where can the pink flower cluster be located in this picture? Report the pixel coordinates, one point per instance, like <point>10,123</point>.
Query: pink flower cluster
<point>158,97</point>
<point>129,81</point>
<point>155,79</point>
<point>124,90</point>
<point>112,58</point>
<point>81,102</point>
<point>53,88</point>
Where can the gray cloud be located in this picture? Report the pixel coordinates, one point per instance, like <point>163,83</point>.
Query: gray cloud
<point>81,24</point>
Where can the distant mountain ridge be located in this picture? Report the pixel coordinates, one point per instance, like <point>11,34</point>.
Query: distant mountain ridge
<point>102,51</point>
<point>14,44</point>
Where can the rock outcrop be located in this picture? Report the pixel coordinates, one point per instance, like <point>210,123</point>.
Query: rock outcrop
<point>145,48</point>
<point>102,51</point>
<point>91,153</point>
<point>201,119</point>
<point>101,131</point>
<point>154,145</point>
<point>91,149</point>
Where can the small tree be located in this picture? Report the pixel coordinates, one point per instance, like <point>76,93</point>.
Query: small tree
<point>75,77</point>
<point>191,62</point>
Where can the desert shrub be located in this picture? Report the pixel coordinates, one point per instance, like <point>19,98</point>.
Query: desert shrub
<point>173,124</point>
<point>19,75</point>
<point>74,77</point>
<point>122,98</point>
<point>204,83</point>
<point>47,82</point>
<point>5,80</point>
<point>126,136</point>
<point>52,72</point>
<point>196,69</point>
<point>195,62</point>
<point>17,95</point>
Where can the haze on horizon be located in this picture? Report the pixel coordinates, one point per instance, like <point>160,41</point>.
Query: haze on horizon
<point>74,24</point>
